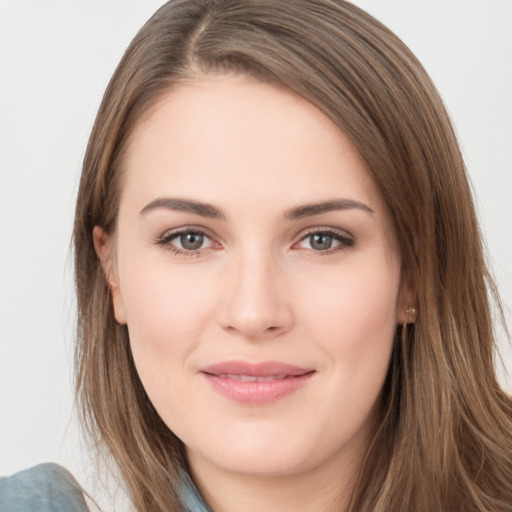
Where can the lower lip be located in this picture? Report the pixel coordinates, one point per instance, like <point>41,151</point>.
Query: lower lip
<point>257,393</point>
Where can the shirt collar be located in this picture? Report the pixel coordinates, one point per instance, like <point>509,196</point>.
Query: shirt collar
<point>190,496</point>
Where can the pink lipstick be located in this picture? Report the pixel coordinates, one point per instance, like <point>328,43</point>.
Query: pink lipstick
<point>255,384</point>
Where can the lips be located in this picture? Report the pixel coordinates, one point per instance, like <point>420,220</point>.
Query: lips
<point>250,378</point>
<point>256,383</point>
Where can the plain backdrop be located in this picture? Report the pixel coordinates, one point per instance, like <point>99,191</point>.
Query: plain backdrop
<point>56,58</point>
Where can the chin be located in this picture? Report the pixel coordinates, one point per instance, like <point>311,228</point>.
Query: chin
<point>260,454</point>
<point>262,465</point>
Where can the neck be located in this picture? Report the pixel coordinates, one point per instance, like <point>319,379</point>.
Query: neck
<point>317,490</point>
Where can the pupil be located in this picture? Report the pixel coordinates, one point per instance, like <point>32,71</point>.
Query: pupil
<point>321,242</point>
<point>191,241</point>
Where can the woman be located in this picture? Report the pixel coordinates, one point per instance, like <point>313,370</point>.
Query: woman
<point>281,289</point>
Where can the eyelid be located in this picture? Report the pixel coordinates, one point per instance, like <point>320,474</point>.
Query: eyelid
<point>164,240</point>
<point>345,239</point>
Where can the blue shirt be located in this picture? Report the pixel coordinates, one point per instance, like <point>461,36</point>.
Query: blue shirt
<point>51,488</point>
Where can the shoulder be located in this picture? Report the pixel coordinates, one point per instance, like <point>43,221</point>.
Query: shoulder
<point>43,488</point>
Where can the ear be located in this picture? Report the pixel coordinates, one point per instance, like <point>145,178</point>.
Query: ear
<point>407,310</point>
<point>104,251</point>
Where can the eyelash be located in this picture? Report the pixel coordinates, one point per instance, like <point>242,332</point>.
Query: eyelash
<point>165,241</point>
<point>345,242</point>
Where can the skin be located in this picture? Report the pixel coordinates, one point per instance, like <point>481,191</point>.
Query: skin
<point>257,289</point>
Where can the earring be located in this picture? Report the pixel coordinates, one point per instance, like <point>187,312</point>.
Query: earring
<point>411,311</point>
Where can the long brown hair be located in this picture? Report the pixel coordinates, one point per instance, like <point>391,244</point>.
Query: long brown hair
<point>444,442</point>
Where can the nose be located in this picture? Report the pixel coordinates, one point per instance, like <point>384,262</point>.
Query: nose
<point>255,303</point>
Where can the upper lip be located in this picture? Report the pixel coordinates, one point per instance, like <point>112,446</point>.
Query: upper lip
<point>263,369</point>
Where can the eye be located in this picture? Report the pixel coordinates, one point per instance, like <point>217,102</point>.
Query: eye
<point>321,241</point>
<point>186,242</point>
<point>325,241</point>
<point>190,241</point>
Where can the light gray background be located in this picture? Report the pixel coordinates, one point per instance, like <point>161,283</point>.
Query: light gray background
<point>55,60</point>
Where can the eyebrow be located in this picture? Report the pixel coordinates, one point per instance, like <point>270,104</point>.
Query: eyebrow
<point>311,209</point>
<point>210,211</point>
<point>184,205</point>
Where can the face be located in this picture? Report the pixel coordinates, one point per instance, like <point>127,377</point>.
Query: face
<point>253,266</point>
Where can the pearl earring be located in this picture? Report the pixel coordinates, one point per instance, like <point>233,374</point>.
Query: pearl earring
<point>411,311</point>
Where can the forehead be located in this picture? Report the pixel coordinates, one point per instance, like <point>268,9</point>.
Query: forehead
<point>229,136</point>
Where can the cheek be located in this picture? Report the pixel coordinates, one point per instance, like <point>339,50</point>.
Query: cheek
<point>357,301</point>
<point>166,314</point>
<point>353,320</point>
<point>164,331</point>
<point>160,296</point>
